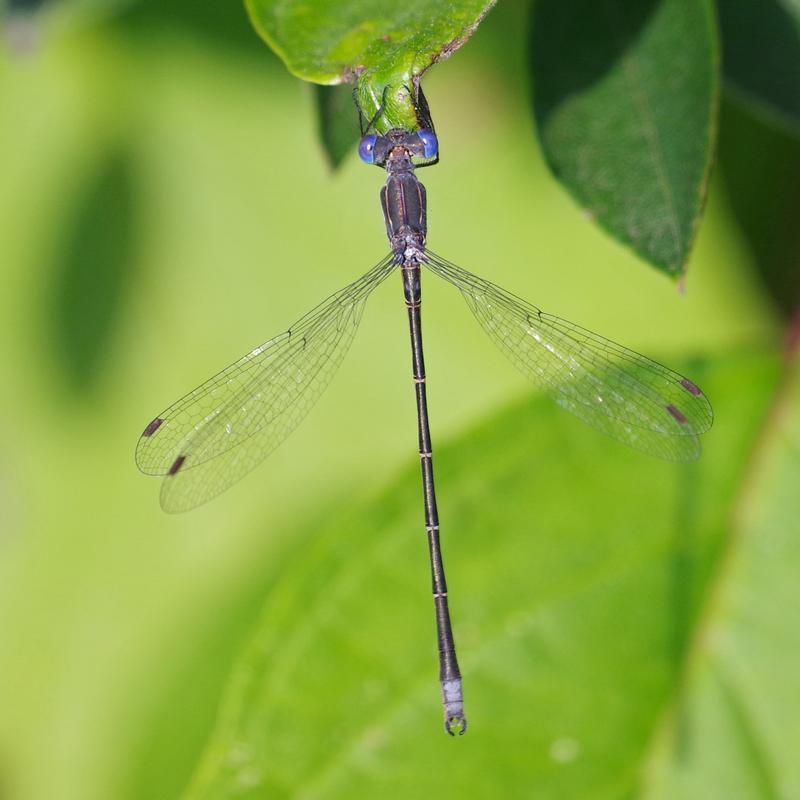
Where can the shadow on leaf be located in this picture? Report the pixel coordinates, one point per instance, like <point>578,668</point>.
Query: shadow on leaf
<point>93,270</point>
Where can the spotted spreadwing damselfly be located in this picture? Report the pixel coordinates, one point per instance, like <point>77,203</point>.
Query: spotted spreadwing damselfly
<point>220,431</point>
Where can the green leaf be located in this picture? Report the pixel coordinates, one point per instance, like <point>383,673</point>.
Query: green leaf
<point>573,619</point>
<point>337,120</point>
<point>625,99</point>
<point>386,45</point>
<point>93,270</point>
<point>761,44</point>
<point>760,166</point>
<point>732,727</point>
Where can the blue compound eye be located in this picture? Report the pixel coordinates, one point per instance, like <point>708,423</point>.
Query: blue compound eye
<point>430,143</point>
<point>366,148</point>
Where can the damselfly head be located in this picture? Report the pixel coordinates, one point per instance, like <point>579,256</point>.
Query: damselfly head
<point>376,149</point>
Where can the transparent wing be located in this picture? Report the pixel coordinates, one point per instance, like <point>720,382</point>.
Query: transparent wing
<point>217,433</point>
<point>619,392</point>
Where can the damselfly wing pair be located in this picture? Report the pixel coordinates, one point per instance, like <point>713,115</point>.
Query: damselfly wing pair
<point>224,428</point>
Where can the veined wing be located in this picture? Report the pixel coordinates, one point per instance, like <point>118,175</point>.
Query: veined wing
<point>214,435</point>
<point>619,392</point>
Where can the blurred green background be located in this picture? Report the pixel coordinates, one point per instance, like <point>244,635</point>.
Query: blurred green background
<point>165,206</point>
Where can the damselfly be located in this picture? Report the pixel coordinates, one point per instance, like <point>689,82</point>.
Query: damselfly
<point>225,427</point>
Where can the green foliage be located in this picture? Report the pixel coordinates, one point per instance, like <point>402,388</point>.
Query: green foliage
<point>386,45</point>
<point>761,166</point>
<point>579,639</point>
<point>338,129</point>
<point>622,622</point>
<point>626,93</point>
<point>625,125</point>
<point>734,732</point>
<point>762,56</point>
<point>95,261</point>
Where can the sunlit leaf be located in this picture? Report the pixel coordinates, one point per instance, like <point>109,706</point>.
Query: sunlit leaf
<point>579,575</point>
<point>386,44</point>
<point>730,730</point>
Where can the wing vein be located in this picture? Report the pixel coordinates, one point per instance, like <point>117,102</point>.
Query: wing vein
<point>616,390</point>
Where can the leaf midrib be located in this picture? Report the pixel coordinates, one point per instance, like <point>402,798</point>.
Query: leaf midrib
<point>632,72</point>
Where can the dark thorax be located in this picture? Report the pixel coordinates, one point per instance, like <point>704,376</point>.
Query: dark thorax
<point>404,208</point>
